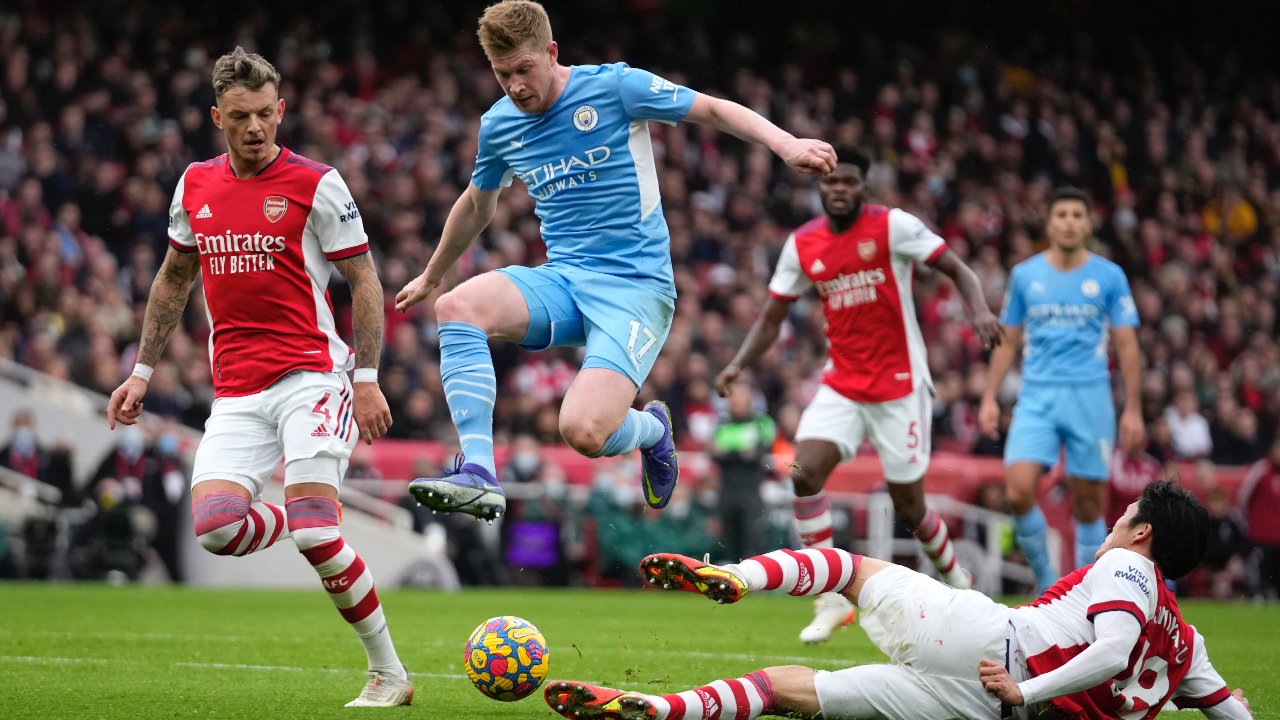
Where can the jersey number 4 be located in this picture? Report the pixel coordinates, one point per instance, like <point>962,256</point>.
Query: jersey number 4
<point>320,408</point>
<point>636,329</point>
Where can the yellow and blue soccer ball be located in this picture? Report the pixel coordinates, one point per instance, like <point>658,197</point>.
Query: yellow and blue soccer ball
<point>506,658</point>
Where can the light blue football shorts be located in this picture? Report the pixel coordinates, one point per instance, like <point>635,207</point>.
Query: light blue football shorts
<point>622,323</point>
<point>1081,417</point>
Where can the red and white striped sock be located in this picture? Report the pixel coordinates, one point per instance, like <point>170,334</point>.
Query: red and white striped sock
<point>228,524</point>
<point>813,520</point>
<point>936,541</point>
<point>745,698</point>
<point>313,521</point>
<point>799,572</point>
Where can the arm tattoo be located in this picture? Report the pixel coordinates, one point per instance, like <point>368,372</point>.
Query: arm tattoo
<point>168,299</point>
<point>367,307</point>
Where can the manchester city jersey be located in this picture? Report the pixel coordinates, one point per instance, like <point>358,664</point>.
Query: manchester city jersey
<point>1067,316</point>
<point>589,165</point>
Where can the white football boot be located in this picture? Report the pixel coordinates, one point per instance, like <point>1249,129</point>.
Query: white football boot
<point>830,611</point>
<point>384,690</point>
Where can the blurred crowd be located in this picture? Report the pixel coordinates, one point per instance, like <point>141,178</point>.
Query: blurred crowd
<point>100,115</point>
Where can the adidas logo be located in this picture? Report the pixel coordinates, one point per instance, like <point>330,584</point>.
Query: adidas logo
<point>805,582</point>
<point>204,212</point>
<point>320,432</point>
<point>710,705</point>
<point>815,268</point>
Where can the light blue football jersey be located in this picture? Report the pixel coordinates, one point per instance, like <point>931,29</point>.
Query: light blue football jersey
<point>1067,317</point>
<point>589,165</point>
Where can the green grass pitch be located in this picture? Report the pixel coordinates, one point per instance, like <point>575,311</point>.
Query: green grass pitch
<point>94,651</point>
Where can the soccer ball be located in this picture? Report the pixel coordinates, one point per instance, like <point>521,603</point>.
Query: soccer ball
<point>506,658</point>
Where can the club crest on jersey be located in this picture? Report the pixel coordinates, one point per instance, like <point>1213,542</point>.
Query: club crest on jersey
<point>867,250</point>
<point>1090,288</point>
<point>274,207</point>
<point>585,118</point>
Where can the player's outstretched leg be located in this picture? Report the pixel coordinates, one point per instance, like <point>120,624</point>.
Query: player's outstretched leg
<point>831,611</point>
<point>470,388</point>
<point>744,698</point>
<point>227,523</point>
<point>802,572</point>
<point>313,521</point>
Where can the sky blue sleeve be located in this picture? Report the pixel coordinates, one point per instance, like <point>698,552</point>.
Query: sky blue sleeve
<point>492,172</point>
<point>1121,309</point>
<point>646,96</point>
<point>1014,307</point>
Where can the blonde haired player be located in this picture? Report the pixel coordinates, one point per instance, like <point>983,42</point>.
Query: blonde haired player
<point>578,138</point>
<point>264,228</point>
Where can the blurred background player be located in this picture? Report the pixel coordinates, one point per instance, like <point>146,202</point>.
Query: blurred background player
<point>577,137</point>
<point>1065,301</point>
<point>1107,643</point>
<point>876,384</point>
<point>264,228</point>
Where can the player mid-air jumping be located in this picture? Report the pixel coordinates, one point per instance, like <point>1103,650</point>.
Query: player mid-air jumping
<point>264,228</point>
<point>578,138</point>
<point>861,257</point>
<point>1068,300</point>
<point>1107,642</point>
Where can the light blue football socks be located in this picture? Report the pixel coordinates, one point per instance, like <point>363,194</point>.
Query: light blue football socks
<point>1089,537</point>
<point>470,388</point>
<point>1029,530</point>
<point>639,429</point>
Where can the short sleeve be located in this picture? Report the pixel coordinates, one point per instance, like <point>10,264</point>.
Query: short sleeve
<point>789,281</point>
<point>492,172</point>
<point>911,239</point>
<point>1120,308</point>
<point>180,236</point>
<point>1202,686</point>
<point>1122,580</point>
<point>335,219</point>
<point>646,96</point>
<point>1015,309</point>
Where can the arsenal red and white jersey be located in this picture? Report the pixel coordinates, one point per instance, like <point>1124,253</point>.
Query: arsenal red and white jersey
<point>266,247</point>
<point>863,276</point>
<point>1169,660</point>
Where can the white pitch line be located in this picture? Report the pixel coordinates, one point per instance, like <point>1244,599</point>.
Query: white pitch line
<point>50,660</point>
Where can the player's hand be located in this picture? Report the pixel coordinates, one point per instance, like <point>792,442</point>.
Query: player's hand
<point>417,290</point>
<point>373,417</point>
<point>1133,433</point>
<point>989,328</point>
<point>989,417</point>
<point>995,678</point>
<point>811,157</point>
<point>1238,694</point>
<point>126,402</point>
<point>726,379</point>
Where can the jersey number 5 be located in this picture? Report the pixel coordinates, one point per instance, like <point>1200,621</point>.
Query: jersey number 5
<point>636,329</point>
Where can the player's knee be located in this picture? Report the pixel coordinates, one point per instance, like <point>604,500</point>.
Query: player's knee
<point>457,306</point>
<point>805,482</point>
<point>313,521</point>
<point>586,435</point>
<point>1022,496</point>
<point>793,687</point>
<point>218,519</point>
<point>909,512</point>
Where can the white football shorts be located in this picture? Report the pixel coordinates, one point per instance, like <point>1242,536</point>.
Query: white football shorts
<point>935,637</point>
<point>303,415</point>
<point>899,429</point>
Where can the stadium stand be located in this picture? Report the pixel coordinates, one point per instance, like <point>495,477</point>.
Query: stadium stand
<point>100,113</point>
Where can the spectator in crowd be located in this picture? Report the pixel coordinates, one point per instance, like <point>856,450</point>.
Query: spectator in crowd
<point>1224,567</point>
<point>741,448</point>
<point>525,464</point>
<point>26,456</point>
<point>164,493</point>
<point>1259,502</point>
<point>1130,473</point>
<point>1189,429</point>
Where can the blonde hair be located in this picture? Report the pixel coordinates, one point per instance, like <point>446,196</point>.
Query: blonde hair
<point>512,24</point>
<point>239,68</point>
